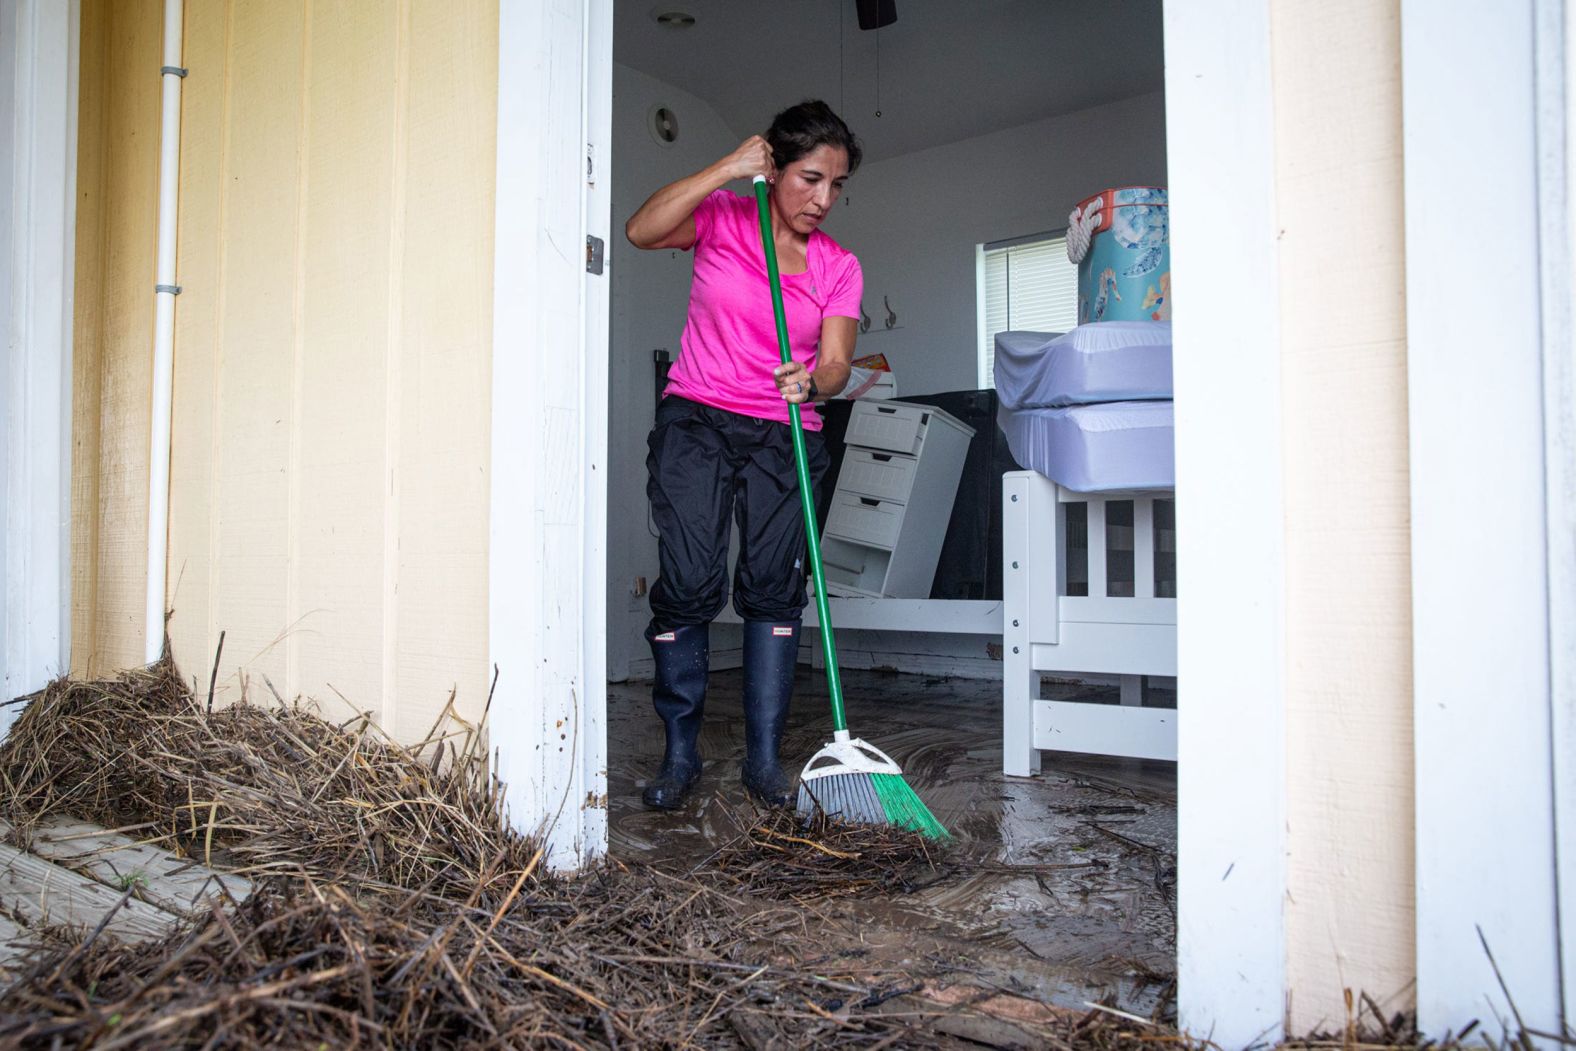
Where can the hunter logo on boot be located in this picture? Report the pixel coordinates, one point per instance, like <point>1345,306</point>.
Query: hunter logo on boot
<point>784,632</point>
<point>666,636</point>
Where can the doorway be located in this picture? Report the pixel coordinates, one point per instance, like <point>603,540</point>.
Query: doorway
<point>980,132</point>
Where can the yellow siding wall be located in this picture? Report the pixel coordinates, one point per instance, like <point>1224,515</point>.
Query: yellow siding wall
<point>333,344</point>
<point>1350,912</point>
<point>117,203</point>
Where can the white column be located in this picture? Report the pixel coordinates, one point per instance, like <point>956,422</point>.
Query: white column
<point>597,317</point>
<point>38,95</point>
<point>1231,769</point>
<point>1480,627</point>
<point>1556,88</point>
<point>549,423</point>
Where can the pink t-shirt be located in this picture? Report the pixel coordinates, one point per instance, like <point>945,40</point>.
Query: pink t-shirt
<point>729,347</point>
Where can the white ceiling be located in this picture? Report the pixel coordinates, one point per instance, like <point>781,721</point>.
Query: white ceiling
<point>950,69</point>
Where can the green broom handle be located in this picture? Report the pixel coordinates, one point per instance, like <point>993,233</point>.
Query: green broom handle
<point>801,462</point>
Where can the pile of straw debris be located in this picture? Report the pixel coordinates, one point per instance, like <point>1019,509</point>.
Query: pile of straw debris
<point>392,908</point>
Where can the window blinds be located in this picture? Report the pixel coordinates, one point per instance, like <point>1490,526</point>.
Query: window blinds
<point>1027,286</point>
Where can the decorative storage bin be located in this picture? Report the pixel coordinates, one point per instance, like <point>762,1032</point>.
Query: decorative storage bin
<point>1120,240</point>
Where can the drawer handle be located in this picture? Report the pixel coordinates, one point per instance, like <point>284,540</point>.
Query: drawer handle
<point>881,457</point>
<point>889,412</point>
<point>868,502</point>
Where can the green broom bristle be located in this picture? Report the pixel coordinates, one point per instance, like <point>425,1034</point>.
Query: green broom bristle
<point>904,808</point>
<point>869,799</point>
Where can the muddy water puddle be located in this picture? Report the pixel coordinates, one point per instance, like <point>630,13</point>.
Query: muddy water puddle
<point>1061,887</point>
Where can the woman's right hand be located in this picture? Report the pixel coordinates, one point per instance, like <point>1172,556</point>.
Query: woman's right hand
<point>752,158</point>
<point>667,219</point>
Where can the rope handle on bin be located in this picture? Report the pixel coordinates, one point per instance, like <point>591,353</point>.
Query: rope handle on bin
<point>1081,226</point>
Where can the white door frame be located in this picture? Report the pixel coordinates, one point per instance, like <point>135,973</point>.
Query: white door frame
<point>547,559</point>
<point>38,167</point>
<point>1231,741</point>
<point>1556,35</point>
<point>1486,225</point>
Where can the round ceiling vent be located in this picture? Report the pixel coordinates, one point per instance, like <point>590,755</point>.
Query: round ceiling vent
<point>664,125</point>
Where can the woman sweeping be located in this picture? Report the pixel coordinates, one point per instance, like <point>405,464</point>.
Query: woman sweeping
<point>721,445</point>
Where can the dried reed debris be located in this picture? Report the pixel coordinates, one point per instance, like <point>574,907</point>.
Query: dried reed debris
<point>393,908</point>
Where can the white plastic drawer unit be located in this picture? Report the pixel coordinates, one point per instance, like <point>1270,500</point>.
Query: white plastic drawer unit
<point>864,519</point>
<point>883,475</point>
<point>889,515</point>
<point>900,428</point>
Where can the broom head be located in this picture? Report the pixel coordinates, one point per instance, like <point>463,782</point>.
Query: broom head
<point>855,782</point>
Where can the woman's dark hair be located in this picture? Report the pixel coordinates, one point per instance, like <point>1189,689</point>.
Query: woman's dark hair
<point>798,130</point>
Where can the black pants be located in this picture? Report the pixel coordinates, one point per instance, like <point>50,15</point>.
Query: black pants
<point>704,464</point>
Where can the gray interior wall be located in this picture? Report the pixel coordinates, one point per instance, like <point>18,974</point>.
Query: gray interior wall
<point>650,294</point>
<point>914,222</point>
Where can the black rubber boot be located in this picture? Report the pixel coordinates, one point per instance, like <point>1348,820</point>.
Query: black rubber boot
<point>771,648</point>
<point>679,694</point>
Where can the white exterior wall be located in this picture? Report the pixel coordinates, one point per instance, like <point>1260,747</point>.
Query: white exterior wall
<point>38,73</point>
<point>1486,792</point>
<point>1363,466</point>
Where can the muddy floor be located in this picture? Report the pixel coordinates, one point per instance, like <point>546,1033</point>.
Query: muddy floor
<point>1062,887</point>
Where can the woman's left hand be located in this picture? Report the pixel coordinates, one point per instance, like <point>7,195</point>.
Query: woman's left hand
<point>793,380</point>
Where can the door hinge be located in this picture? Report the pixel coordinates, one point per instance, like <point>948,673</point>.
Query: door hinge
<point>594,249</point>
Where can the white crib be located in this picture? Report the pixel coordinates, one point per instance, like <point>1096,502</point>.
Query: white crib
<point>1044,629</point>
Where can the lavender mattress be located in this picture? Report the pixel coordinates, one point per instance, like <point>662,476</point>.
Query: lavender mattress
<point>1100,362</point>
<point>1096,448</point>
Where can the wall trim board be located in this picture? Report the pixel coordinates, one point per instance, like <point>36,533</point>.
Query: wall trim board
<point>1231,939</point>
<point>1556,99</point>
<point>547,534</point>
<point>39,60</point>
<point>1481,660</point>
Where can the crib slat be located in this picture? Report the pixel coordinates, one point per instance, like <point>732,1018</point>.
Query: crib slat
<point>1144,547</point>
<point>1097,555</point>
